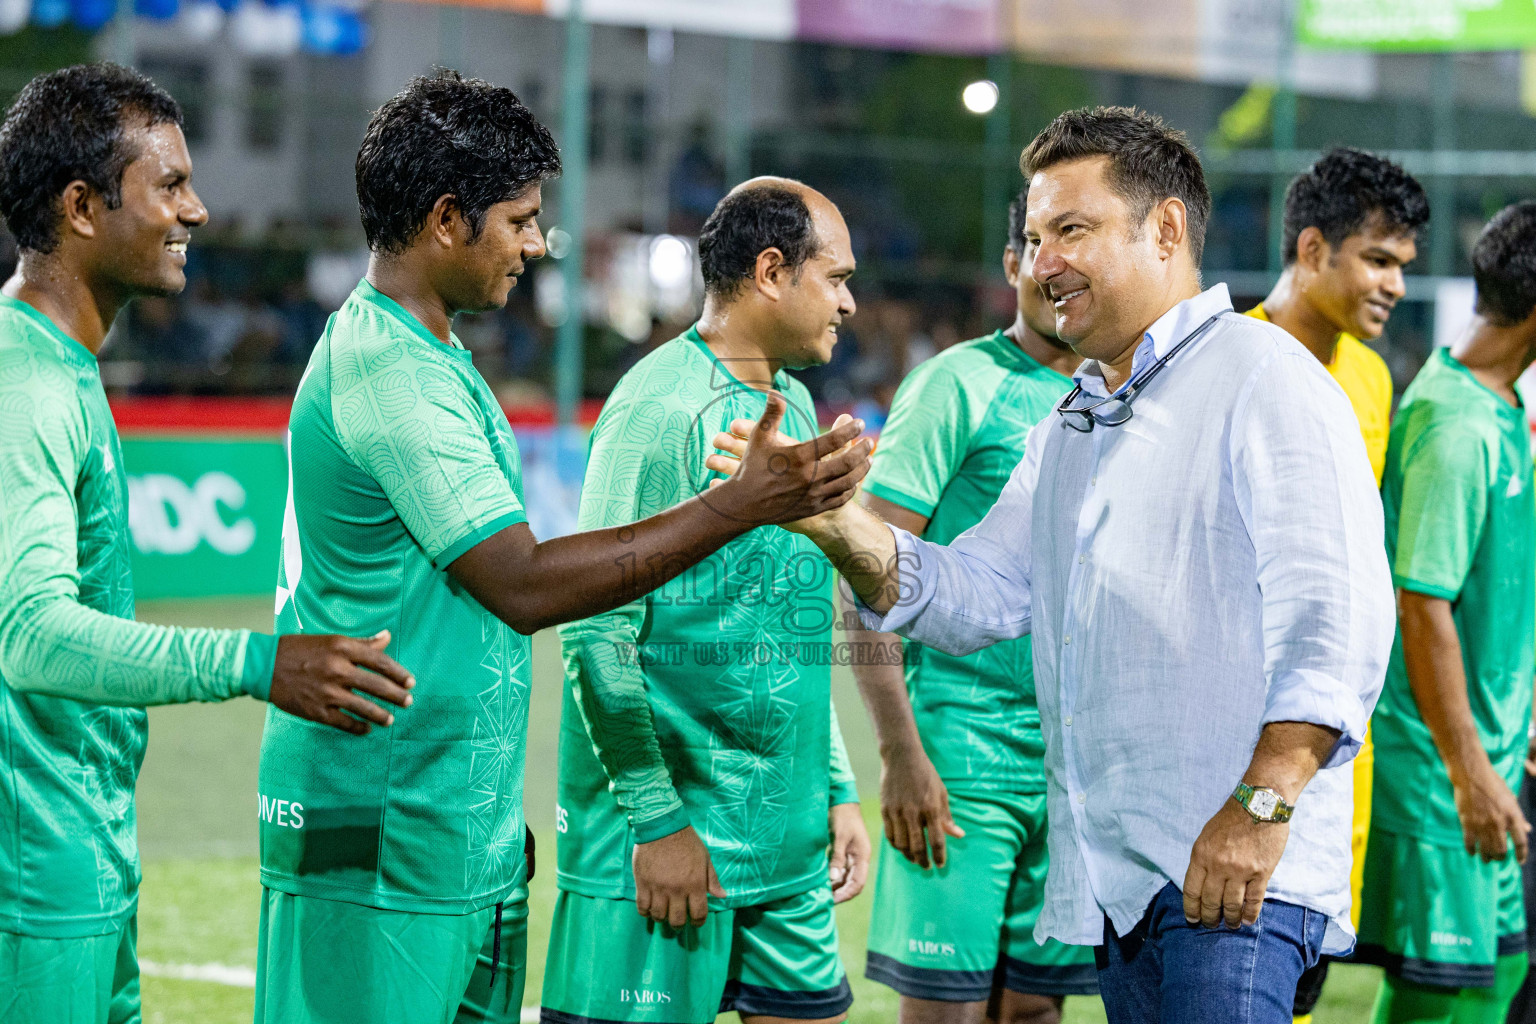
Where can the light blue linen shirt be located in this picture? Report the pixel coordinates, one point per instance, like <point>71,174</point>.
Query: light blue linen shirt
<point>1210,566</point>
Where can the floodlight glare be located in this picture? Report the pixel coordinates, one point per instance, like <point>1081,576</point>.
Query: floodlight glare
<point>980,97</point>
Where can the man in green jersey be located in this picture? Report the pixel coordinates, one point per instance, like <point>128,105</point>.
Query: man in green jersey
<point>1442,908</point>
<point>961,750</point>
<point>397,893</point>
<point>702,773</point>
<point>95,185</point>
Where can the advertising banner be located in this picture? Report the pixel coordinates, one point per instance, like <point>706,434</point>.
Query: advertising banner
<point>937,26</point>
<point>208,481</point>
<point>206,514</point>
<point>1419,24</point>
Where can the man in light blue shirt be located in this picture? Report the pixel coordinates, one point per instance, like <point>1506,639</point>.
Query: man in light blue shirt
<point>1195,541</point>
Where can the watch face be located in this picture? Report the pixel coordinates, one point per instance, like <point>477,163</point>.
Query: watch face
<point>1263,803</point>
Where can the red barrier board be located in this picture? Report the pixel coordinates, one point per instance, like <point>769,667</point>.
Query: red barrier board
<point>182,415</point>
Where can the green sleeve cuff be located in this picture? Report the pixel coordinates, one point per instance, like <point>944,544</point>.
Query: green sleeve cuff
<point>895,497</point>
<point>451,553</point>
<point>843,791</point>
<point>1427,589</point>
<point>260,660</point>
<point>674,820</point>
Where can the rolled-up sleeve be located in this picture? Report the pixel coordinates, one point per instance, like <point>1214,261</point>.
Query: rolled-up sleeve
<point>1305,489</point>
<point>975,591</point>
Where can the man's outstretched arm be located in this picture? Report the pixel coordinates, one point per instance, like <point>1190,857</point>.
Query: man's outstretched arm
<point>530,584</point>
<point>53,645</point>
<point>956,597</point>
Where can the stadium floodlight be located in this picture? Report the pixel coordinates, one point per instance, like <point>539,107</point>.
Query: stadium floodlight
<point>557,242</point>
<point>980,96</point>
<point>671,264</point>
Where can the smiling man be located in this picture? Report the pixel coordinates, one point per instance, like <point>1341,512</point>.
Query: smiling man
<point>96,187</point>
<point>1194,540</point>
<point>1351,224</point>
<point>702,775</point>
<point>399,894</point>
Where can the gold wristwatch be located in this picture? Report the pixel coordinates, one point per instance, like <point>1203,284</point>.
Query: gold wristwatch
<point>1262,803</point>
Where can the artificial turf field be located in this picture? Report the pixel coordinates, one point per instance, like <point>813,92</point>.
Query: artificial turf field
<point>197,830</point>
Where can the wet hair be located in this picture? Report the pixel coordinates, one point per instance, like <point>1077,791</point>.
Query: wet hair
<point>1016,210</point>
<point>1345,189</point>
<point>444,134</point>
<point>1148,161</point>
<point>1504,265</point>
<point>72,125</point>
<point>745,223</point>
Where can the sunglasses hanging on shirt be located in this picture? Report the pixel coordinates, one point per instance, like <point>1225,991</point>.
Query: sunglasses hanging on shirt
<point>1116,409</point>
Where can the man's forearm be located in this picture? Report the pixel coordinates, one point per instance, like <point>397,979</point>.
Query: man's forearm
<point>862,548</point>
<point>54,646</point>
<point>1288,755</point>
<point>1437,678</point>
<point>609,688</point>
<point>530,584</point>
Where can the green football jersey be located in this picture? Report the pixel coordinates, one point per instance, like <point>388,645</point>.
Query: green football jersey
<point>400,461</point>
<point>708,701</point>
<point>955,433</point>
<point>74,668</point>
<point>1461,525</point>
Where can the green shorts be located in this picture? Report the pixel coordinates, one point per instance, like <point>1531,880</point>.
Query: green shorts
<point>954,933</point>
<point>1437,915</point>
<point>90,980</point>
<point>607,963</point>
<point>322,961</point>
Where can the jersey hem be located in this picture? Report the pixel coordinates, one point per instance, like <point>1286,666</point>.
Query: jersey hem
<point>1383,820</point>
<point>896,497</point>
<point>604,889</point>
<point>402,903</point>
<point>452,552</point>
<point>963,786</point>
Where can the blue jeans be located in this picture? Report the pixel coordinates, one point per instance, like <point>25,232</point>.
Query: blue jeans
<point>1166,971</point>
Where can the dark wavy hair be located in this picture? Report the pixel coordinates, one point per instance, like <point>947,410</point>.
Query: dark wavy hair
<point>447,135</point>
<point>1504,265</point>
<point>1148,161</point>
<point>745,223</point>
<point>71,125</point>
<point>1344,189</point>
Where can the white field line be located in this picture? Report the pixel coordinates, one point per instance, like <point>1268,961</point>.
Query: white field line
<point>219,974</point>
<point>245,977</point>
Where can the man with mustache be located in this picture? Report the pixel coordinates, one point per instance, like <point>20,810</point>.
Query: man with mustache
<point>1194,541</point>
<point>1351,225</point>
<point>399,893</point>
<point>96,187</point>
<point>703,780</point>
<point>961,752</point>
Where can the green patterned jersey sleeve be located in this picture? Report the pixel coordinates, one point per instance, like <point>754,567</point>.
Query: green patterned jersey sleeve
<point>412,424</point>
<point>52,644</point>
<point>844,789</point>
<point>632,472</point>
<point>1443,508</point>
<point>924,440</point>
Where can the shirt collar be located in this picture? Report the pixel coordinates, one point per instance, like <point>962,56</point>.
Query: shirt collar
<point>1166,332</point>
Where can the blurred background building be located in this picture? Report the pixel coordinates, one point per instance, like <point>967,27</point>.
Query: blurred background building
<point>861,98</point>
<point>909,114</point>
